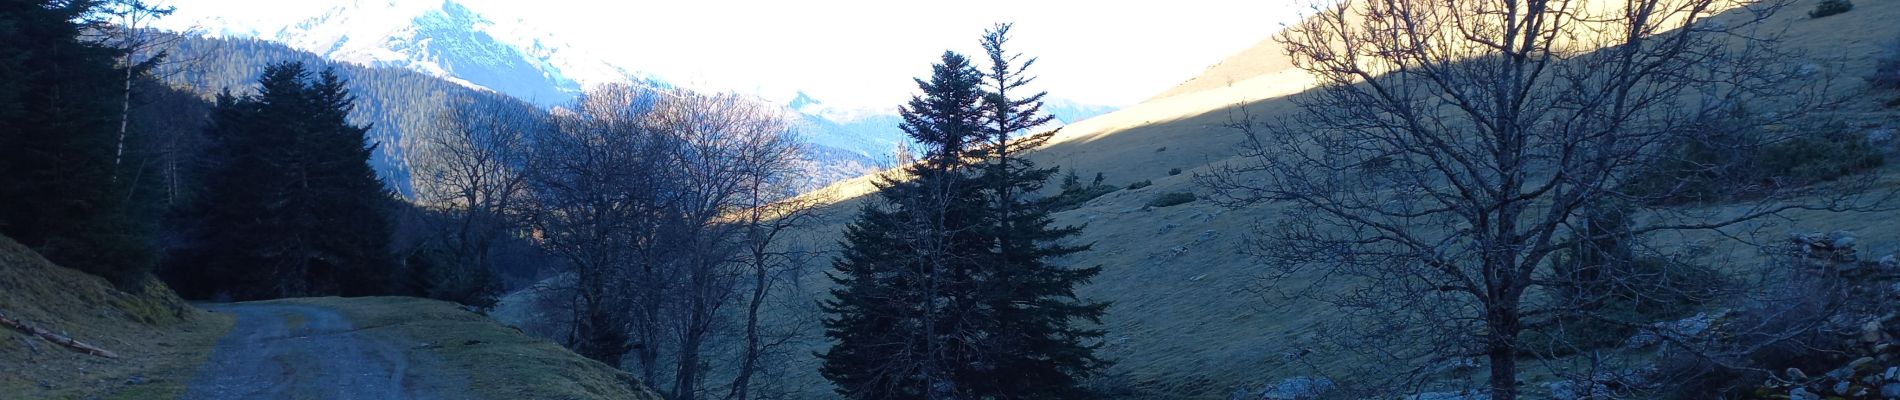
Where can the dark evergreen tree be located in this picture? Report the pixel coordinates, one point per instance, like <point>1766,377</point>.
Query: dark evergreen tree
<point>1035,350</point>
<point>904,314</point>
<point>58,191</point>
<point>289,205</point>
<point>945,289</point>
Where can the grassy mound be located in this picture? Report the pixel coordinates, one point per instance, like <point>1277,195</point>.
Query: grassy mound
<point>499,362</point>
<point>159,337</point>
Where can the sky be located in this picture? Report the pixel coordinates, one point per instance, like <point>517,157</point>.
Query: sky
<point>862,53</point>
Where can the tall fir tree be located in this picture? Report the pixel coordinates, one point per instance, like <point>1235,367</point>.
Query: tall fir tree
<point>58,118</point>
<point>945,289</point>
<point>289,205</point>
<point>1036,350</point>
<point>904,310</point>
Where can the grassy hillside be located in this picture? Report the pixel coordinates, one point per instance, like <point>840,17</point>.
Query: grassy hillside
<point>497,362</point>
<point>159,337</point>
<point>1185,320</point>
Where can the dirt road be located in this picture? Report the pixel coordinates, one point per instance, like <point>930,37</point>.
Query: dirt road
<point>290,351</point>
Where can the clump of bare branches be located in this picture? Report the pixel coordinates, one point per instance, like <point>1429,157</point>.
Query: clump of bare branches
<point>670,208</point>
<point>1496,129</point>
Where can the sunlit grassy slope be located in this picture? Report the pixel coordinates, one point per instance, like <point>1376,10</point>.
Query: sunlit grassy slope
<point>1184,323</point>
<point>159,337</point>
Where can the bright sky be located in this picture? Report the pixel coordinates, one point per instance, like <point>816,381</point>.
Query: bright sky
<point>863,53</point>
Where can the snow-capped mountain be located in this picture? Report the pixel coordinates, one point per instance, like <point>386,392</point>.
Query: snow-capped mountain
<point>455,42</point>
<point>441,38</point>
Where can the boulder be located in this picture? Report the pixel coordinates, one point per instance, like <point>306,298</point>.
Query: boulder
<point>1841,240</point>
<point>1801,393</point>
<point>1891,390</point>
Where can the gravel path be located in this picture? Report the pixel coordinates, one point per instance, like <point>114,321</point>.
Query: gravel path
<point>288,351</point>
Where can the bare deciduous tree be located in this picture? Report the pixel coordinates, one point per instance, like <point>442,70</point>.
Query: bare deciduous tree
<point>669,206</point>
<point>1453,149</point>
<point>472,168</point>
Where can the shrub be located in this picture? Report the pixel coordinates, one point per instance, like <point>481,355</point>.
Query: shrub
<point>1830,7</point>
<point>1162,149</point>
<point>1074,194</point>
<point>1614,287</point>
<point>1725,163</point>
<point>1140,184</point>
<point>1171,199</point>
<point>1887,68</point>
<point>1173,172</point>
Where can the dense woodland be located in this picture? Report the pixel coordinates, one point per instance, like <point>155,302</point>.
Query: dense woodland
<point>1479,205</point>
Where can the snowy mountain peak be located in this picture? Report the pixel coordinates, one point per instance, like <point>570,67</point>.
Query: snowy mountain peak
<point>442,38</point>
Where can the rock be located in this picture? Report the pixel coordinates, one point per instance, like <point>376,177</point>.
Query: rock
<point>1642,339</point>
<point>1568,390</point>
<point>1879,136</point>
<point>1796,374</point>
<point>1298,388</point>
<point>1807,238</point>
<point>1206,237</point>
<point>1458,395</point>
<point>1891,390</point>
<point>1861,362</point>
<point>1892,375</point>
<point>1801,393</point>
<point>1889,263</point>
<point>1871,332</point>
<point>1841,240</point>
<point>1808,70</point>
<point>135,380</point>
<point>1841,388</point>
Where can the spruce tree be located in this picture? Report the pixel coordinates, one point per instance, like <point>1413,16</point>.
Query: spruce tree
<point>58,116</point>
<point>1036,351</point>
<point>289,204</point>
<point>945,289</point>
<point>903,313</point>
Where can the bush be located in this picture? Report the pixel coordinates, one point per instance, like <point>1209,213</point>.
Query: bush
<point>1141,184</point>
<point>1615,288</point>
<point>1173,172</point>
<point>1171,199</point>
<point>1074,195</point>
<point>1887,68</point>
<point>1830,7</point>
<point>1725,163</point>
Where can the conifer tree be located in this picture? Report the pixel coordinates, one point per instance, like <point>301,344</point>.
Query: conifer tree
<point>57,130</point>
<point>1035,350</point>
<point>944,289</point>
<point>289,204</point>
<point>903,312</point>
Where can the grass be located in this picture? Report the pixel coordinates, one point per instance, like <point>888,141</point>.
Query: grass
<point>496,361</point>
<point>160,338</point>
<point>1176,337</point>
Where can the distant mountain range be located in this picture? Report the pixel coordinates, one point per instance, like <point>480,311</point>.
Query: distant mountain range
<point>451,41</point>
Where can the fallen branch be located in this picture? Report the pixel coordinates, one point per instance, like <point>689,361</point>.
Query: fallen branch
<point>56,338</point>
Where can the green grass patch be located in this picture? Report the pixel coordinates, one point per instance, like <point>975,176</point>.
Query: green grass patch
<point>497,362</point>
